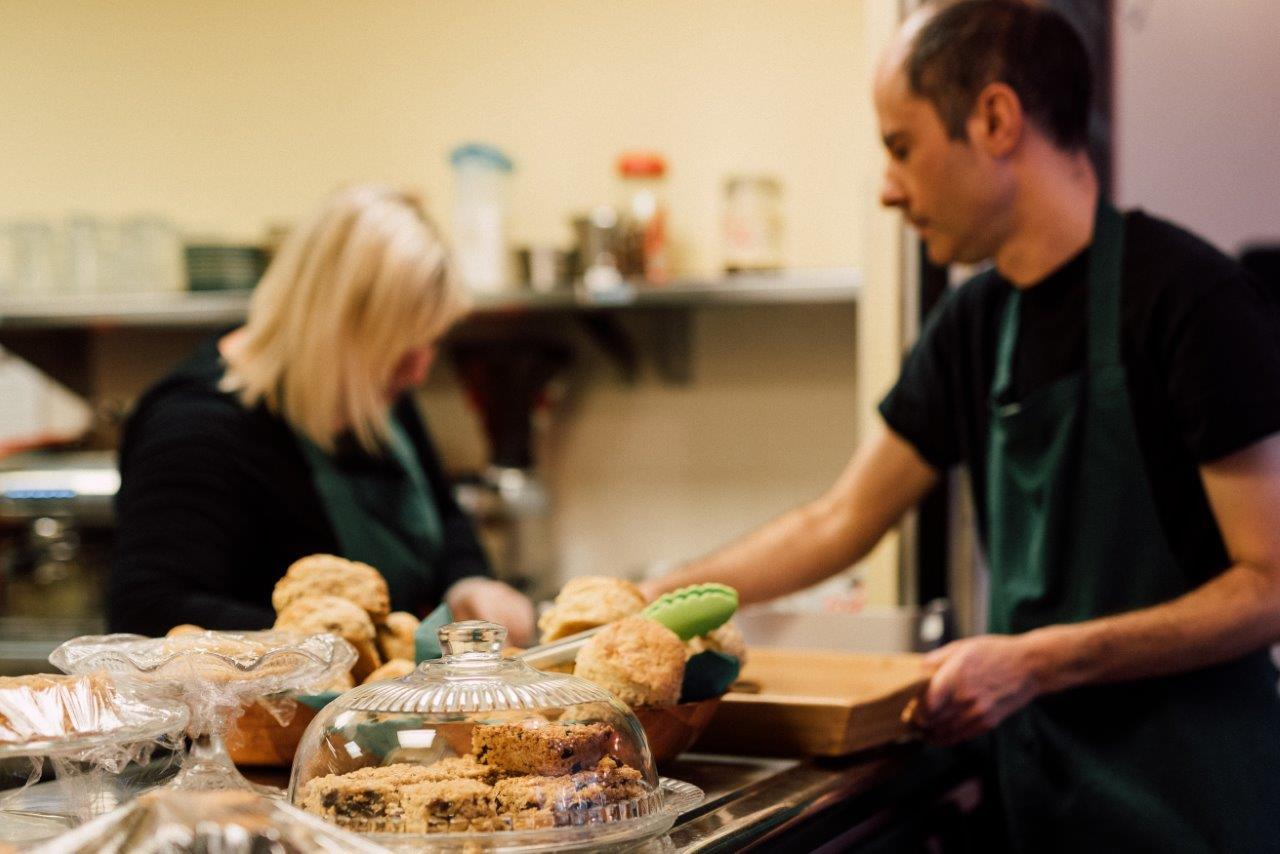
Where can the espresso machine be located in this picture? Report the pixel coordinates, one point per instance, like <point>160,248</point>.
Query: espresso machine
<point>506,378</point>
<point>56,527</point>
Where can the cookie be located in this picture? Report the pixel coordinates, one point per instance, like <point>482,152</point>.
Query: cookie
<point>447,806</point>
<point>607,783</point>
<point>366,800</point>
<point>460,768</point>
<point>329,575</point>
<point>400,799</point>
<point>461,794</point>
<point>396,636</point>
<point>547,750</point>
<point>393,669</point>
<point>337,616</point>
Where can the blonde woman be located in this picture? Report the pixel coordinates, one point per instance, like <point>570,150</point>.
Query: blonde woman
<point>297,433</point>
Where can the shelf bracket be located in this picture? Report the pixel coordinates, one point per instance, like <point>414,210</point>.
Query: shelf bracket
<point>672,330</point>
<point>607,332</point>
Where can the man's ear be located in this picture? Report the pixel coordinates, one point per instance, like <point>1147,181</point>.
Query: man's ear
<point>996,123</point>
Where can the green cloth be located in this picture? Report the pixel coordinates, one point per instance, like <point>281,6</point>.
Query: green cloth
<point>1184,763</point>
<point>426,640</point>
<point>708,674</point>
<point>382,512</point>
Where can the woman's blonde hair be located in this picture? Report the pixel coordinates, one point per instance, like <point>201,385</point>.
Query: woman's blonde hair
<point>347,295</point>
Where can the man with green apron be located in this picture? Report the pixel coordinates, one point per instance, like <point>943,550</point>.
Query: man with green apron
<point>1112,385</point>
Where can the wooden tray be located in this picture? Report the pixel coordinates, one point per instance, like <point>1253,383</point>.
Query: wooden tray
<point>815,703</point>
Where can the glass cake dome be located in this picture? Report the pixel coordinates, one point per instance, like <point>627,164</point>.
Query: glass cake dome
<point>479,752</point>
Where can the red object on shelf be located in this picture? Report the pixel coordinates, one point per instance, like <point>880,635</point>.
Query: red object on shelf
<point>642,164</point>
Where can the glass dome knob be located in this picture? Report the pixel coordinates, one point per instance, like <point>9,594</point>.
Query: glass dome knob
<point>472,638</point>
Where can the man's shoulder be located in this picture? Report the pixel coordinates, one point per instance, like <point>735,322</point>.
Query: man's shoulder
<point>1164,252</point>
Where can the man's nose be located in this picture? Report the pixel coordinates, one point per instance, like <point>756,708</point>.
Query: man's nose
<point>891,193</point>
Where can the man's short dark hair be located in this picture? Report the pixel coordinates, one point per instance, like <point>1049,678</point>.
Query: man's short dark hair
<point>1033,49</point>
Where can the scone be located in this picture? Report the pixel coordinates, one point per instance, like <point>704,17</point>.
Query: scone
<point>183,629</point>
<point>587,602</point>
<point>638,660</point>
<point>548,750</point>
<point>727,639</point>
<point>396,636</point>
<point>337,616</point>
<point>329,575</point>
<point>393,669</point>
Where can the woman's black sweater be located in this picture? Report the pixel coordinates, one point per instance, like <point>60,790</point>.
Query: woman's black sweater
<point>216,501</point>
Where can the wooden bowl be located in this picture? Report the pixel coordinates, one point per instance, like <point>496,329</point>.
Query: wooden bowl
<point>256,738</point>
<point>671,730</point>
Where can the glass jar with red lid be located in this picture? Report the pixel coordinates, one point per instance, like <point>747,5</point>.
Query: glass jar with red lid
<point>644,215</point>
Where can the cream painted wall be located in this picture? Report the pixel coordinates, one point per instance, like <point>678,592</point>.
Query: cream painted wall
<point>653,473</point>
<point>227,116</point>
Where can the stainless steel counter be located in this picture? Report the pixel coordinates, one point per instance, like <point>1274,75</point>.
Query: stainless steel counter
<point>750,802</point>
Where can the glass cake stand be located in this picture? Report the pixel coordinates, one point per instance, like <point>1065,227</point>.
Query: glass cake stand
<point>214,674</point>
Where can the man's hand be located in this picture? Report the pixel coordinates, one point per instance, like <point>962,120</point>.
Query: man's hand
<point>480,598</point>
<point>976,684</point>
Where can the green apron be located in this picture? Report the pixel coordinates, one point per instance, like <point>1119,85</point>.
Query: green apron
<point>1189,762</point>
<point>383,514</point>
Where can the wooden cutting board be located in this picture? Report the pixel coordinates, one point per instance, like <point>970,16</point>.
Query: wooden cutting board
<point>815,703</point>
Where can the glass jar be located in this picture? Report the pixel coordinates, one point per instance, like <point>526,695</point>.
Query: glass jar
<point>644,217</point>
<point>482,752</point>
<point>752,223</point>
<point>481,173</point>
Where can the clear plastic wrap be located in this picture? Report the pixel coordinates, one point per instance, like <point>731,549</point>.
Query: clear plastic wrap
<point>214,674</point>
<point>224,822</point>
<point>87,726</point>
<point>475,752</point>
<point>89,717</point>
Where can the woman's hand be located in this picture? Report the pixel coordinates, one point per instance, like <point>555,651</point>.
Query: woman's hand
<point>479,598</point>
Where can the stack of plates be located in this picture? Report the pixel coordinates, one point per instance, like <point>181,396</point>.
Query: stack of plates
<point>224,267</point>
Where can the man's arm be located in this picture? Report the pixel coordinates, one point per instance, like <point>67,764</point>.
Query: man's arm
<point>805,545</point>
<point>980,681</point>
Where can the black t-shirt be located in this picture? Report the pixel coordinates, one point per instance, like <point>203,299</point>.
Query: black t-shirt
<point>1199,339</point>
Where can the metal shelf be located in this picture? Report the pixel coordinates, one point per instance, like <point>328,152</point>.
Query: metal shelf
<point>56,333</point>
<point>213,309</point>
<point>88,311</point>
